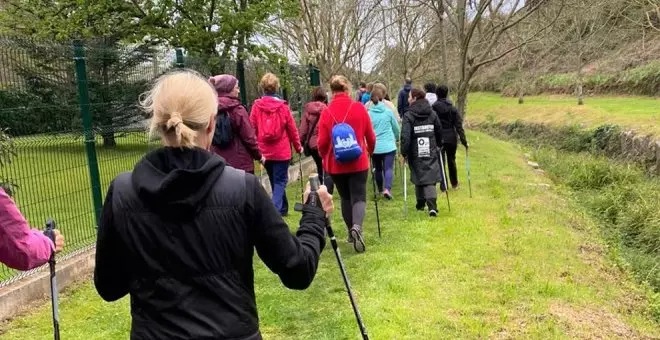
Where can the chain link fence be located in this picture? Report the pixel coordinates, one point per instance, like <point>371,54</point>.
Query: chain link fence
<point>70,122</point>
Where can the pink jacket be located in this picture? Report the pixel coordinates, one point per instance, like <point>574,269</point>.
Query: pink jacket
<point>281,149</point>
<point>20,247</point>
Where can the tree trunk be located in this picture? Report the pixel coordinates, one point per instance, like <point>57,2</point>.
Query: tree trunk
<point>443,40</point>
<point>580,82</point>
<point>461,97</point>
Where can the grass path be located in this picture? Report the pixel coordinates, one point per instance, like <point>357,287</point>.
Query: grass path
<point>641,113</point>
<point>517,261</point>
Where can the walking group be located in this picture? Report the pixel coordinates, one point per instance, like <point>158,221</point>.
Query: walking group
<point>347,137</point>
<point>178,233</point>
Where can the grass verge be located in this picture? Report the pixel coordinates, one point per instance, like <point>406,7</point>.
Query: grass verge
<point>517,260</point>
<point>640,113</point>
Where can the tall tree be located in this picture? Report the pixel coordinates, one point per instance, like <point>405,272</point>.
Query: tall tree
<point>479,27</point>
<point>331,34</point>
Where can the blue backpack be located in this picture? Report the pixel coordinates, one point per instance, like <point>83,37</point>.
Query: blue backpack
<point>345,145</point>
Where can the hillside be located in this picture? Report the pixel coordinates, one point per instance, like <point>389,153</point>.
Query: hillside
<point>630,65</point>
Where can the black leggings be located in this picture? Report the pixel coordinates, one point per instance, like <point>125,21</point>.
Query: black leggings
<point>353,192</point>
<point>449,151</point>
<point>324,177</point>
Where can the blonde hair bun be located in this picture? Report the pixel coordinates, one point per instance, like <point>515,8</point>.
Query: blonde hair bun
<point>181,104</point>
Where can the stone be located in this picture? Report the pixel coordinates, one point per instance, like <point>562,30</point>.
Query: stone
<point>539,171</point>
<point>533,164</point>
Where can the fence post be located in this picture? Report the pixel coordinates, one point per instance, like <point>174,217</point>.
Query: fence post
<point>240,74</point>
<point>284,81</point>
<point>90,140</point>
<point>179,58</point>
<point>314,76</point>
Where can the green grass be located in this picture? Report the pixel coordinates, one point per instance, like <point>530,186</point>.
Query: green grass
<point>640,113</point>
<point>52,179</point>
<point>517,260</point>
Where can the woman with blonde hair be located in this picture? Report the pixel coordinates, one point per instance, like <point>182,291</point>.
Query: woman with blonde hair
<point>178,233</point>
<point>349,175</point>
<point>276,133</point>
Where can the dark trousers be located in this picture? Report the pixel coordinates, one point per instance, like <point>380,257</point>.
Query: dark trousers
<point>323,177</point>
<point>384,164</point>
<point>449,154</point>
<point>278,175</point>
<point>426,195</point>
<point>353,193</point>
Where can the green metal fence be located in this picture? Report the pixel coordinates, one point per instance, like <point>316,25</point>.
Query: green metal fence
<point>71,123</point>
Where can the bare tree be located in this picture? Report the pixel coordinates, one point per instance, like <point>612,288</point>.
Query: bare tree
<point>438,7</point>
<point>589,20</point>
<point>333,34</point>
<point>480,26</point>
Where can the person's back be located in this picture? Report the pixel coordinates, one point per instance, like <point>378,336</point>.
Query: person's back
<point>243,150</point>
<point>421,138</point>
<point>343,109</point>
<point>452,131</point>
<point>385,126</point>
<point>178,233</point>
<point>274,142</point>
<point>452,122</point>
<point>402,100</point>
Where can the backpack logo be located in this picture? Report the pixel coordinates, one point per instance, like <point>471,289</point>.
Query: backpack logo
<point>223,135</point>
<point>346,146</point>
<point>345,143</point>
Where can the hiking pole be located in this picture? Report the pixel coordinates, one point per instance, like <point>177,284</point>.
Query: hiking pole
<point>50,226</point>
<point>302,185</point>
<point>373,181</point>
<point>405,191</point>
<point>467,167</point>
<point>315,200</point>
<point>444,177</point>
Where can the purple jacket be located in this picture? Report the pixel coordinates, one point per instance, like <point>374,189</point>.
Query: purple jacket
<point>20,247</point>
<point>243,149</point>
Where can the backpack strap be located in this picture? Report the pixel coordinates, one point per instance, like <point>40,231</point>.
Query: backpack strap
<point>347,111</point>
<point>311,131</point>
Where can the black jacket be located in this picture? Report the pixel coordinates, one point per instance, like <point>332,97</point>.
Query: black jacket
<point>402,101</point>
<point>178,234</point>
<point>452,122</point>
<point>421,135</point>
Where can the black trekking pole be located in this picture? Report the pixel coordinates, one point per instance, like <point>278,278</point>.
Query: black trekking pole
<point>302,184</point>
<point>444,177</point>
<point>373,181</point>
<point>467,167</point>
<point>315,200</point>
<point>405,191</point>
<point>50,226</point>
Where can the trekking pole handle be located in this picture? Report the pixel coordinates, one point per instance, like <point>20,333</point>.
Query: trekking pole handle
<point>314,185</point>
<point>50,233</point>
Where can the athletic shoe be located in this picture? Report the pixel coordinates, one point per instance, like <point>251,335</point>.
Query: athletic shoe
<point>433,213</point>
<point>455,187</point>
<point>358,241</point>
<point>387,194</point>
<point>420,205</point>
<point>350,238</point>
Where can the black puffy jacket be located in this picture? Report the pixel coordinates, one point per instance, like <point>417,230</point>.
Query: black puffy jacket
<point>451,120</point>
<point>421,136</point>
<point>178,234</point>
